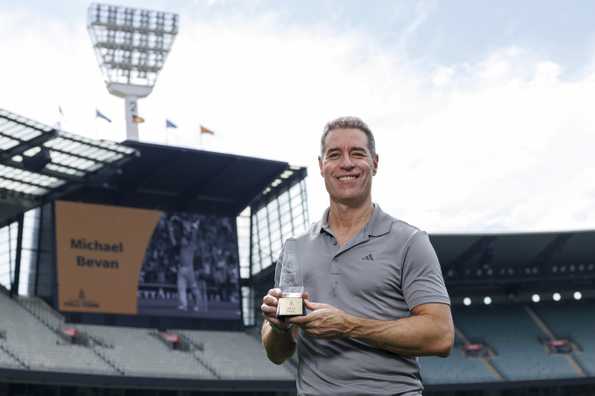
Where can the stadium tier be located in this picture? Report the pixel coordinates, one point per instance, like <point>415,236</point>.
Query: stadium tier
<point>33,339</point>
<point>456,369</point>
<point>38,347</point>
<point>515,338</point>
<point>237,356</point>
<point>574,322</point>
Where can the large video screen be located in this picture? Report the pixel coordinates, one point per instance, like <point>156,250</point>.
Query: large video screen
<point>119,260</point>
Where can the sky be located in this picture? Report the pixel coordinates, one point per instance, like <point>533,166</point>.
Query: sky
<point>482,110</point>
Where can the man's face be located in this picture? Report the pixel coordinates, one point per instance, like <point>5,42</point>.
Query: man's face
<point>348,166</point>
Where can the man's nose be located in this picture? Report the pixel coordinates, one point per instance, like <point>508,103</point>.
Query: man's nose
<point>346,162</point>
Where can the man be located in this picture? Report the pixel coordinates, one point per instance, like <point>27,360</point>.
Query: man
<point>373,286</point>
<point>186,249</point>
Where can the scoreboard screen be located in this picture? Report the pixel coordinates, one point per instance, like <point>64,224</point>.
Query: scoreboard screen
<point>130,261</point>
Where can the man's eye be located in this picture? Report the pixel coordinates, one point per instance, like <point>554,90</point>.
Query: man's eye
<point>332,155</point>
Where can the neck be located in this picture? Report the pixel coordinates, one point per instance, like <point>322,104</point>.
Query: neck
<point>345,218</point>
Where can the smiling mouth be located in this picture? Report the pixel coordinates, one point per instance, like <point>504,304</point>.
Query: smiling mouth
<point>347,178</point>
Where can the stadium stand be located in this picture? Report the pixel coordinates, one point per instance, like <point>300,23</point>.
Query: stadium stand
<point>515,339</point>
<point>39,348</point>
<point>7,357</point>
<point>128,351</point>
<point>575,321</point>
<point>43,312</point>
<point>238,356</point>
<point>457,368</point>
<point>32,342</point>
<point>136,352</point>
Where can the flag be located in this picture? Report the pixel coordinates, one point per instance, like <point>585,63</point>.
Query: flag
<point>170,124</point>
<point>206,130</point>
<point>99,114</point>
<point>137,119</point>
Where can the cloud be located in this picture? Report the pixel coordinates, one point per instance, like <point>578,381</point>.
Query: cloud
<point>496,143</point>
<point>507,152</point>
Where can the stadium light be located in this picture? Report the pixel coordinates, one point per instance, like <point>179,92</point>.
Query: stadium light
<point>467,301</point>
<point>535,298</point>
<point>487,300</point>
<point>556,296</point>
<point>131,46</point>
<point>577,295</point>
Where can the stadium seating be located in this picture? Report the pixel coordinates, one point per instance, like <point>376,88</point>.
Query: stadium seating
<point>40,348</point>
<point>33,341</point>
<point>5,359</point>
<point>33,328</point>
<point>136,352</point>
<point>515,338</point>
<point>457,368</point>
<point>574,320</point>
<point>43,312</point>
<point>235,355</point>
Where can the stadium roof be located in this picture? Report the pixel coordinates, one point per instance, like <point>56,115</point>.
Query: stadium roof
<point>39,163</point>
<point>512,257</point>
<point>505,262</point>
<point>184,179</point>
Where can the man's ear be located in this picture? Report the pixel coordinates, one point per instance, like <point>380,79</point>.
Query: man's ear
<point>320,165</point>
<point>375,164</point>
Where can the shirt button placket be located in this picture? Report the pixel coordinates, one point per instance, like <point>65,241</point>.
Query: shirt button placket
<point>334,274</point>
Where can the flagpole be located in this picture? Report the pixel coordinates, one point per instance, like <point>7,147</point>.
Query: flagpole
<point>61,118</point>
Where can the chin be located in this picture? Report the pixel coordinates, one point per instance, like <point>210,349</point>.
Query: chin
<point>349,200</point>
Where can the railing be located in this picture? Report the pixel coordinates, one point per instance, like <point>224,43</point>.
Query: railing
<point>14,356</point>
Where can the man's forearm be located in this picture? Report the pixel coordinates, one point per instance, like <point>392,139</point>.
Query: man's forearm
<point>416,335</point>
<point>279,346</point>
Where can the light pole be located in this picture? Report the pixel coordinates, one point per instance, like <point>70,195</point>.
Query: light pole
<point>131,46</point>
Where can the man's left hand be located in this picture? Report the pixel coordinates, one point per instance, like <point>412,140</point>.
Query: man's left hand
<point>324,321</point>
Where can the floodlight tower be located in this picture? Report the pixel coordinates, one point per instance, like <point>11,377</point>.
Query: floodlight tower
<point>131,46</point>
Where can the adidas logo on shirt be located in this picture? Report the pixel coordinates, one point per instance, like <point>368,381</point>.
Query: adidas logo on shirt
<point>368,257</point>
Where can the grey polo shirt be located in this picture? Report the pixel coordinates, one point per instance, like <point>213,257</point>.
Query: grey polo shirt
<point>382,273</point>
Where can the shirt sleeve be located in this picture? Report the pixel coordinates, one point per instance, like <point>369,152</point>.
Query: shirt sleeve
<point>422,280</point>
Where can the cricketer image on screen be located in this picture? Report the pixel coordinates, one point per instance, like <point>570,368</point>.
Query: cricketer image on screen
<point>133,261</point>
<point>191,268</point>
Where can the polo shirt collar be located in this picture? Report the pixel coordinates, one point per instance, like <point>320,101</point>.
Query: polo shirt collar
<point>379,224</point>
<point>321,225</point>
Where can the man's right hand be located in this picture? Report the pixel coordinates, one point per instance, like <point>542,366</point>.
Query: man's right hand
<point>278,341</point>
<point>269,308</point>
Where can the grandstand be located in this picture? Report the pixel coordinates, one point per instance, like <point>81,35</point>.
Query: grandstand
<point>508,330</point>
<point>508,341</point>
<point>574,322</point>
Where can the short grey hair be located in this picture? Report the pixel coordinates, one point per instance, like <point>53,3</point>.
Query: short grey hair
<point>349,123</point>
